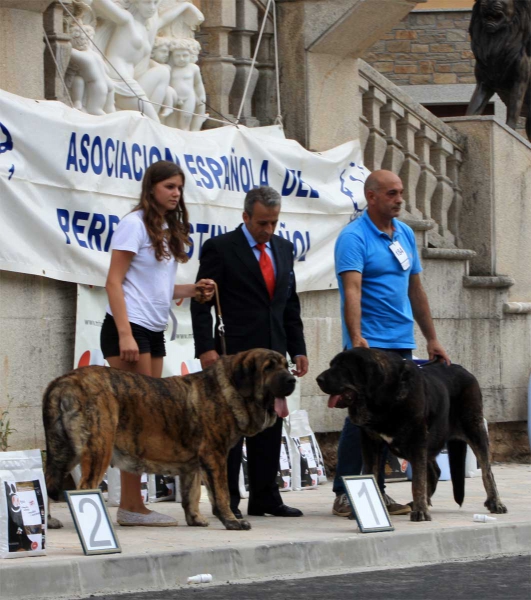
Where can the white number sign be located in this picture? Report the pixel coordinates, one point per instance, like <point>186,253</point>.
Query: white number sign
<point>367,503</point>
<point>92,522</point>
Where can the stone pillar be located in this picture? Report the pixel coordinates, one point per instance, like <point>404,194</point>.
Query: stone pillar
<point>376,145</point>
<point>444,192</point>
<point>37,315</point>
<point>407,128</point>
<point>54,26</point>
<point>394,155</point>
<point>240,48</point>
<point>454,165</point>
<point>21,47</point>
<point>265,93</point>
<point>217,66</point>
<point>426,137</point>
<point>364,122</point>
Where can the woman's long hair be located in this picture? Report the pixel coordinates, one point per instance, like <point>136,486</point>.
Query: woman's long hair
<point>176,234</point>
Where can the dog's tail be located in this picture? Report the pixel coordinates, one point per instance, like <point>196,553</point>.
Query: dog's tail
<point>60,452</point>
<point>457,458</point>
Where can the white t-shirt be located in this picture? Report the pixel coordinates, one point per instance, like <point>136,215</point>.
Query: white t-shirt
<point>148,283</point>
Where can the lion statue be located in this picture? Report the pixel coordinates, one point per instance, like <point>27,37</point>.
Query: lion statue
<point>501,43</point>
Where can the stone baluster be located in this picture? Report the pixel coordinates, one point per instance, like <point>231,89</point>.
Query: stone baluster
<point>424,140</point>
<point>364,123</point>
<point>444,192</point>
<point>407,129</point>
<point>54,26</point>
<point>394,154</point>
<point>240,48</point>
<point>376,145</point>
<point>265,93</point>
<point>454,164</point>
<point>217,65</point>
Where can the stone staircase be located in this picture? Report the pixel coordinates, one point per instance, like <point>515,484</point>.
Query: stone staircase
<point>479,326</point>
<point>476,319</point>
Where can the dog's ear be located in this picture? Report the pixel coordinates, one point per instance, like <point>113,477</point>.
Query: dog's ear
<point>405,380</point>
<point>244,373</point>
<point>365,369</point>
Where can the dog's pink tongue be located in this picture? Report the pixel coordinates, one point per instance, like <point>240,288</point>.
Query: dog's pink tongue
<point>333,400</point>
<point>281,407</point>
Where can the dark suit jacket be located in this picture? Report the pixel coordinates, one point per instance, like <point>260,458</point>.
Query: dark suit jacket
<point>252,319</point>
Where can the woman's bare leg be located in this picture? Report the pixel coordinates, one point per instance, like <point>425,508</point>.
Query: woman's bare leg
<point>131,495</point>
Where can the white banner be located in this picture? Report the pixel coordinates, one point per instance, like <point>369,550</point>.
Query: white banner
<point>91,303</point>
<point>66,179</point>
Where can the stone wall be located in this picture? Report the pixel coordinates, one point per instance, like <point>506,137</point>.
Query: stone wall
<point>426,48</point>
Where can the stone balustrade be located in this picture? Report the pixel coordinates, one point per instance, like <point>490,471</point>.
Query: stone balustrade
<point>228,36</point>
<point>401,135</point>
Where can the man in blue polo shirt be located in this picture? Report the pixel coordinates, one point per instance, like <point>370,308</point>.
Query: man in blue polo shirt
<point>377,267</point>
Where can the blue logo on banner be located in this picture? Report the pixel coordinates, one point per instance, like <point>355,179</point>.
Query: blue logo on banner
<point>7,144</point>
<point>353,177</point>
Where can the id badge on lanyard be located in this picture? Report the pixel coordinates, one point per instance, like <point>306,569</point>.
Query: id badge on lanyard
<point>400,253</point>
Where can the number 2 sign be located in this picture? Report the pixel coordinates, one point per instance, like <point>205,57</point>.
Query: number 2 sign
<point>92,522</point>
<point>367,503</point>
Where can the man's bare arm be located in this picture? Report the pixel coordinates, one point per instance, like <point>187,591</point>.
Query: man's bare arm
<point>352,289</point>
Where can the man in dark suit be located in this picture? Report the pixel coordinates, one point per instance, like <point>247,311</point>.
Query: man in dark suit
<point>254,272</point>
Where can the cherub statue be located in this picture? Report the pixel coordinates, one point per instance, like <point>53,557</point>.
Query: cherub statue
<point>90,87</point>
<point>200,108</point>
<point>187,82</point>
<point>160,54</point>
<point>126,37</point>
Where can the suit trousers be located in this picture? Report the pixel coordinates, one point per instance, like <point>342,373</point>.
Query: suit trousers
<point>263,456</point>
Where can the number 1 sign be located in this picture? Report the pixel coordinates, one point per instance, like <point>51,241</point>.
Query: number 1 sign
<point>367,503</point>
<point>92,522</point>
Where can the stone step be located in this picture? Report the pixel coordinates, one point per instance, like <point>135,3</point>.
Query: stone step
<point>486,282</point>
<point>517,308</point>
<point>447,253</point>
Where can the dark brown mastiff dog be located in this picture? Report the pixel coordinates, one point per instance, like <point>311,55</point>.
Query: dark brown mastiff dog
<point>177,425</point>
<point>416,411</point>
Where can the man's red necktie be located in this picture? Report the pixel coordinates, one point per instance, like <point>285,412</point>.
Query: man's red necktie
<point>266,267</point>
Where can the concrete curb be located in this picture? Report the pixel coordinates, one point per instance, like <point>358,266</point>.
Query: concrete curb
<point>157,571</point>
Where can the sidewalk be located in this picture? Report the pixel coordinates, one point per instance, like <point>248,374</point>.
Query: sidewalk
<point>164,558</point>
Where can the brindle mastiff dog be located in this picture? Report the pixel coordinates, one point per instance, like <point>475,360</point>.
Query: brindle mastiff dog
<point>177,425</point>
<point>416,411</point>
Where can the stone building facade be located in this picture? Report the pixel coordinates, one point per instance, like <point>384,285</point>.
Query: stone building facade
<point>426,48</point>
<point>473,243</point>
<point>428,55</point>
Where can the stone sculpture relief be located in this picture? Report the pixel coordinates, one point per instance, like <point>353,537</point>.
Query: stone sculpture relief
<point>501,42</point>
<point>188,85</point>
<point>126,32</point>
<point>160,54</point>
<point>91,89</point>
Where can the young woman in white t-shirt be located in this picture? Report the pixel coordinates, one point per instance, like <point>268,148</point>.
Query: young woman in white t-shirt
<point>146,247</point>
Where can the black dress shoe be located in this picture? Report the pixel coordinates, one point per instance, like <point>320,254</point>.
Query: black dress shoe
<point>279,511</point>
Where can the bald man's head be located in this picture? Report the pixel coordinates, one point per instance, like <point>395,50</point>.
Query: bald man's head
<point>378,179</point>
<point>383,192</point>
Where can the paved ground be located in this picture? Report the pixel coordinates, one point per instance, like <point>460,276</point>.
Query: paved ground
<point>506,578</point>
<point>163,558</point>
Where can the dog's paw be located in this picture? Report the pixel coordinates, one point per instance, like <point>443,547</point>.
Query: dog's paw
<point>237,524</point>
<point>54,523</point>
<point>420,515</point>
<point>198,522</point>
<point>245,524</point>
<point>496,506</point>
